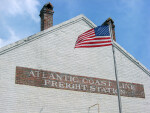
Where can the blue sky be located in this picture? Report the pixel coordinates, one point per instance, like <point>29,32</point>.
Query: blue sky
<point>20,19</point>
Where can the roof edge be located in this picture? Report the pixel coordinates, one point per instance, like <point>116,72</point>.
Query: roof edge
<point>36,36</point>
<point>131,58</point>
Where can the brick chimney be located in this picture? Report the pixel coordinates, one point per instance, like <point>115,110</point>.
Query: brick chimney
<point>113,27</point>
<point>46,15</point>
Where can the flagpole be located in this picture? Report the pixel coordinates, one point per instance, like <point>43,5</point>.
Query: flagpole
<point>115,66</point>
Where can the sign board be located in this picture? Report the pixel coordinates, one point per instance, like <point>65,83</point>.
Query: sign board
<point>50,79</point>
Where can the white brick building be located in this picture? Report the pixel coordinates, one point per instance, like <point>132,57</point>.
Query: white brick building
<point>53,50</point>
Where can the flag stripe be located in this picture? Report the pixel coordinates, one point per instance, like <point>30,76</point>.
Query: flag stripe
<point>97,42</point>
<point>94,44</point>
<point>98,37</point>
<point>82,39</point>
<point>90,32</point>
<point>94,40</point>
<point>88,46</point>
<point>86,35</point>
<point>95,37</point>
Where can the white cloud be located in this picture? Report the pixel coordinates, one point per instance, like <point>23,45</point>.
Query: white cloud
<point>15,7</point>
<point>13,38</point>
<point>31,8</point>
<point>1,42</point>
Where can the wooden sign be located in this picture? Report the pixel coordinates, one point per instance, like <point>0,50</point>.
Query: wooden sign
<point>49,79</point>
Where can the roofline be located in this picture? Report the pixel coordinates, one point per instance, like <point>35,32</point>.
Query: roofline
<point>31,38</point>
<point>76,19</point>
<point>131,58</point>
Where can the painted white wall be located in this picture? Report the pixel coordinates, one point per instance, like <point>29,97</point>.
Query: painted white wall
<point>129,72</point>
<point>55,52</point>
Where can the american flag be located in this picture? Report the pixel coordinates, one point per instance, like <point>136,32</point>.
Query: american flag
<point>96,37</point>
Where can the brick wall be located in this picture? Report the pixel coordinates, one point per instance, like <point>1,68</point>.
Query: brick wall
<point>46,15</point>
